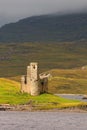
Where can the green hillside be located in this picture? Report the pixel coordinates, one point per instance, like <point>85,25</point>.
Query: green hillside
<point>72,81</point>
<point>44,28</point>
<point>14,58</point>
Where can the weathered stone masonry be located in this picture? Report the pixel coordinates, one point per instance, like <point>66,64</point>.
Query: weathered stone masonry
<point>34,83</point>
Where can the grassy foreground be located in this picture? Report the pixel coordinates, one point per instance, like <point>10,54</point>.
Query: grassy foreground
<point>10,94</point>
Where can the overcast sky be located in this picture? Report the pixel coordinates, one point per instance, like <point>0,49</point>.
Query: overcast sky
<point>13,10</point>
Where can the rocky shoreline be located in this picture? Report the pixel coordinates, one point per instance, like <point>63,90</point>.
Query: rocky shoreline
<point>29,108</point>
<point>8,107</point>
<point>32,107</point>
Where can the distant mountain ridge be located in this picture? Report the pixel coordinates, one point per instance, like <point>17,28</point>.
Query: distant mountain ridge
<point>44,28</point>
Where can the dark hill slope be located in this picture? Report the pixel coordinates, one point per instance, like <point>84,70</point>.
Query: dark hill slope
<point>69,27</point>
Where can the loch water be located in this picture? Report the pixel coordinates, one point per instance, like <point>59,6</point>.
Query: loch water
<point>12,120</point>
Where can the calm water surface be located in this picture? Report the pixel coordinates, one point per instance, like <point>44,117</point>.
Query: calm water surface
<point>43,121</point>
<point>72,96</point>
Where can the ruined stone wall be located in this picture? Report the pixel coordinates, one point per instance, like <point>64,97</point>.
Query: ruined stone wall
<point>31,83</point>
<point>44,85</point>
<point>28,79</point>
<point>23,84</point>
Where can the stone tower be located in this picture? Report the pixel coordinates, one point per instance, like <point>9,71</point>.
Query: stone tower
<point>34,79</point>
<point>33,83</point>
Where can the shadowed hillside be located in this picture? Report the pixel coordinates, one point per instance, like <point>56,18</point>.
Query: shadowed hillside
<point>44,28</point>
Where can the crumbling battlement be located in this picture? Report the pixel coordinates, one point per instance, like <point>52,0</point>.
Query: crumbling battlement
<point>34,83</point>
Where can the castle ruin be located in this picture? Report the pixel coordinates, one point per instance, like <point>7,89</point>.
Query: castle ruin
<point>34,83</point>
